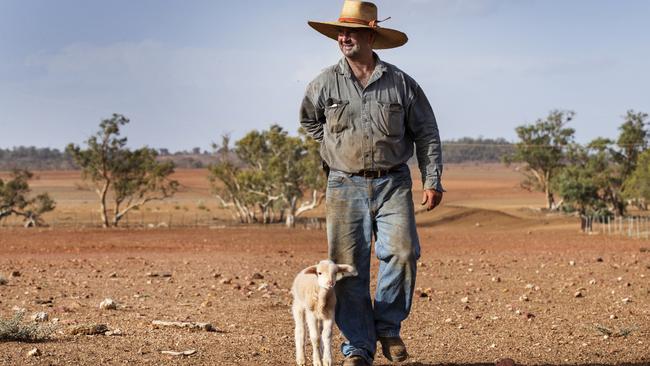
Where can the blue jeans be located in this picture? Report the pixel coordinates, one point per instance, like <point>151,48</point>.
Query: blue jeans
<point>359,208</point>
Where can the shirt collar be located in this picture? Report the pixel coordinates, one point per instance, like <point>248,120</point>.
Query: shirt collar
<point>343,67</point>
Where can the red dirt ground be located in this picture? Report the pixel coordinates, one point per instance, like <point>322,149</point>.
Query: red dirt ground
<point>484,244</point>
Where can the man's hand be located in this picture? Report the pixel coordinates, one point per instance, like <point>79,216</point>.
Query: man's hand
<point>431,199</point>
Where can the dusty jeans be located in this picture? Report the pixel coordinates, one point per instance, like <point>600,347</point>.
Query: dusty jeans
<point>359,208</point>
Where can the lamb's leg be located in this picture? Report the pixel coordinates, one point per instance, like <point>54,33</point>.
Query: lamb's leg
<point>320,331</point>
<point>327,341</point>
<point>314,336</point>
<point>299,319</point>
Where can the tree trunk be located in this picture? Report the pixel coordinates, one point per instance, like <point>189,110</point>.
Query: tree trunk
<point>549,198</point>
<point>102,202</point>
<point>290,221</point>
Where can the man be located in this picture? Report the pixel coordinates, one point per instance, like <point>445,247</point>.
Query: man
<point>367,115</point>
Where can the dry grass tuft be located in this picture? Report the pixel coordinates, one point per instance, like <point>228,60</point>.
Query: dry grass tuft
<point>14,330</point>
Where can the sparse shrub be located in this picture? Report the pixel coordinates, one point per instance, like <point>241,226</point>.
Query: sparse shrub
<point>15,330</point>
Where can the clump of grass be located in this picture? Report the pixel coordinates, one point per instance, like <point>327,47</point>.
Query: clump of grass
<point>622,332</point>
<point>15,330</point>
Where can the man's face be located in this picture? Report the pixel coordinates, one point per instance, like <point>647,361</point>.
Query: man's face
<point>355,42</point>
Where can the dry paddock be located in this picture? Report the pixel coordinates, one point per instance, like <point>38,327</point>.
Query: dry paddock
<point>538,294</point>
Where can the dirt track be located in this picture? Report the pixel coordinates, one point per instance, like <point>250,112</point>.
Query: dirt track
<point>255,327</point>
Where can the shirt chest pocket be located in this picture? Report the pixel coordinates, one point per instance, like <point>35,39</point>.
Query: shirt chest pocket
<point>337,115</point>
<point>390,119</point>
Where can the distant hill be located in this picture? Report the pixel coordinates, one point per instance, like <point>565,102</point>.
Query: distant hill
<point>462,150</point>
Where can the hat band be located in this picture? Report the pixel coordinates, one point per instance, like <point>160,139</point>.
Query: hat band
<point>372,23</point>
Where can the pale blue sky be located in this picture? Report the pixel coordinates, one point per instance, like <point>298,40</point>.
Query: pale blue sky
<point>188,71</point>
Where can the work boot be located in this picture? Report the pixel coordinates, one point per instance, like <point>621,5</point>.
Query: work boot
<point>355,360</point>
<point>393,348</point>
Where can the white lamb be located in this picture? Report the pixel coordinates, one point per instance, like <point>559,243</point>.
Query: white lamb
<point>314,299</point>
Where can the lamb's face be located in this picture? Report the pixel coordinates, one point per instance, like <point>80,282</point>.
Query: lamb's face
<point>328,273</point>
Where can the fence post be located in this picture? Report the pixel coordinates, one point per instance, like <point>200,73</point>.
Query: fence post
<point>629,227</point>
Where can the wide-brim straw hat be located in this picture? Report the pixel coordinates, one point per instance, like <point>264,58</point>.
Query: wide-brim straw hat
<point>361,14</point>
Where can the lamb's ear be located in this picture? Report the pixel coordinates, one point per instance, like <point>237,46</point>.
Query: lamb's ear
<point>311,270</point>
<point>345,270</point>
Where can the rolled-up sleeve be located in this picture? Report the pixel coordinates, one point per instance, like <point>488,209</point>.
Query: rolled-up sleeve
<point>312,117</point>
<point>422,126</point>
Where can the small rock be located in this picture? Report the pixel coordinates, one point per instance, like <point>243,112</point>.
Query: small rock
<point>257,276</point>
<point>112,275</point>
<point>577,294</point>
<point>15,274</point>
<point>116,332</point>
<point>263,287</point>
<point>226,281</point>
<point>206,304</point>
<point>523,298</point>
<point>464,300</point>
<point>34,352</point>
<point>592,282</point>
<point>626,300</point>
<point>599,259</point>
<point>572,263</point>
<point>613,317</point>
<point>496,279</point>
<point>108,304</point>
<point>3,281</point>
<point>40,317</point>
<point>216,275</point>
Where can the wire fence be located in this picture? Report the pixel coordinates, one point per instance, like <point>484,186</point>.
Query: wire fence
<point>150,220</point>
<point>630,226</point>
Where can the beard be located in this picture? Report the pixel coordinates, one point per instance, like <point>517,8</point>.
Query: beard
<point>350,52</point>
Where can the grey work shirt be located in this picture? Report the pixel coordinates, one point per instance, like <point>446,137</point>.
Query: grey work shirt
<point>374,127</point>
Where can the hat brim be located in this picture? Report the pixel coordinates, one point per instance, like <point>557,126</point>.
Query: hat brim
<point>386,37</point>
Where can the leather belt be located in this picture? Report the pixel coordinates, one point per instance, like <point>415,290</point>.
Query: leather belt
<point>374,173</point>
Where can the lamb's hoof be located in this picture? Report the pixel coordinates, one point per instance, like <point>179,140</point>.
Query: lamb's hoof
<point>300,362</point>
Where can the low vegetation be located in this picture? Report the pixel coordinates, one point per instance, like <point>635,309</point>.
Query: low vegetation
<point>16,330</point>
<point>15,200</point>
